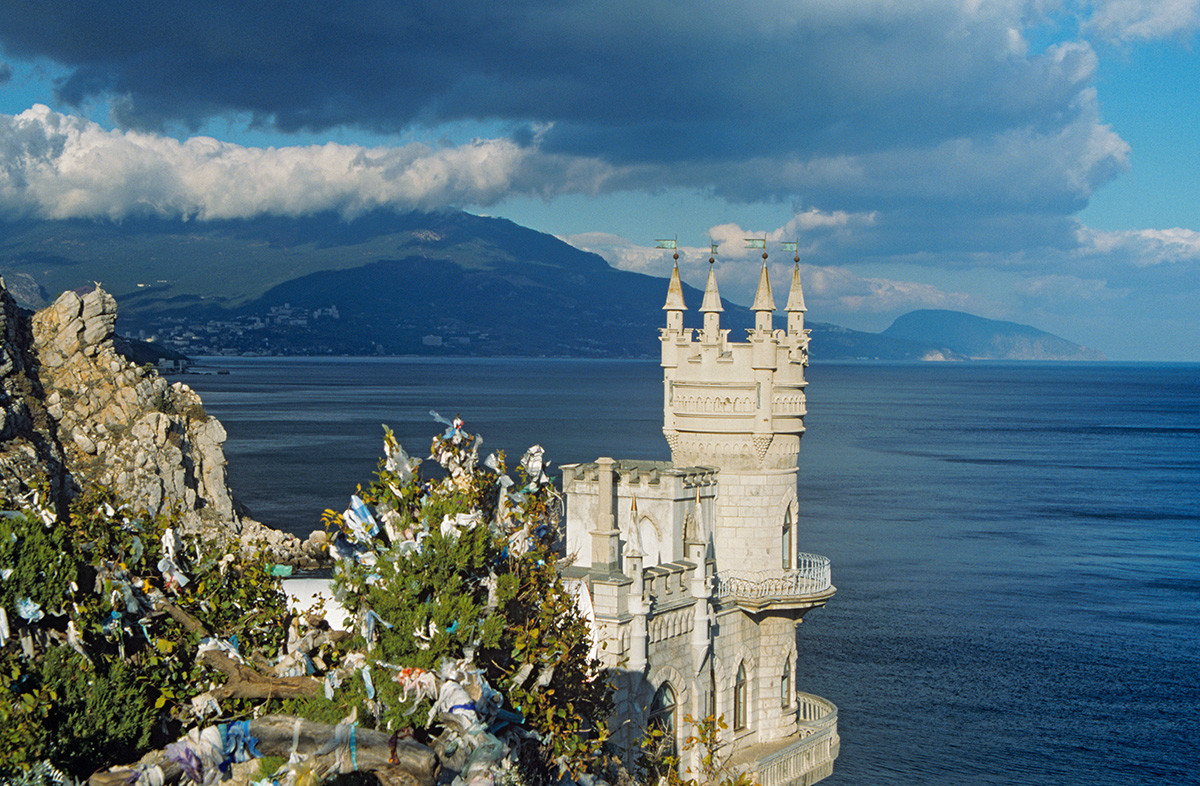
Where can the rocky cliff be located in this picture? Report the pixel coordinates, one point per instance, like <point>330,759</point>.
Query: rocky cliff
<point>75,412</point>
<point>29,447</point>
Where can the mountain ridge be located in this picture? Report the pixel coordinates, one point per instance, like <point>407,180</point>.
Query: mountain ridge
<point>978,338</point>
<point>441,283</point>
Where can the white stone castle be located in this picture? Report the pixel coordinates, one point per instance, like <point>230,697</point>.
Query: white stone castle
<point>692,566</point>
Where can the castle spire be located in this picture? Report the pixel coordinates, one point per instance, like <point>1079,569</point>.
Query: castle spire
<point>764,301</point>
<point>711,307</point>
<point>674,305</point>
<point>795,303</point>
<point>796,295</point>
<point>712,298</point>
<point>675,290</point>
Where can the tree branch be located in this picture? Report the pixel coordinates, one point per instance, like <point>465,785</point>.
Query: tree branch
<point>189,623</point>
<point>248,683</point>
<point>412,763</point>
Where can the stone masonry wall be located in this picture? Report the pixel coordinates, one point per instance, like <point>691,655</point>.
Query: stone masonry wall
<point>750,514</point>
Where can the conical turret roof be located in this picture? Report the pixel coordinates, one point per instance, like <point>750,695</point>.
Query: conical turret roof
<point>675,292</point>
<point>712,298</point>
<point>763,300</point>
<point>796,295</point>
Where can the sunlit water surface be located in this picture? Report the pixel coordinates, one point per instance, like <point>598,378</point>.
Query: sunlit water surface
<point>1016,546</point>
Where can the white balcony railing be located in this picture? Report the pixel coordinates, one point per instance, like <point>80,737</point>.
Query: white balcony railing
<point>811,757</point>
<point>811,578</point>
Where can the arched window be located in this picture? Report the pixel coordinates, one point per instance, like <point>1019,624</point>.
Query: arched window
<point>650,541</point>
<point>787,540</point>
<point>712,692</point>
<point>785,684</point>
<point>739,698</point>
<point>662,717</point>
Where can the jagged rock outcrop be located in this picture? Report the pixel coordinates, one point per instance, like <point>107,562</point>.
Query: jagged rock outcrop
<point>76,412</point>
<point>123,426</point>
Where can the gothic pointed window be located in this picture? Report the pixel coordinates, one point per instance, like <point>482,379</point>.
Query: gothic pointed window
<point>787,540</point>
<point>785,684</point>
<point>662,717</point>
<point>712,692</point>
<point>739,698</point>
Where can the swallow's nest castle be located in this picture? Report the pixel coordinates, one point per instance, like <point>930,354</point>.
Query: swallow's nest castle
<point>692,566</point>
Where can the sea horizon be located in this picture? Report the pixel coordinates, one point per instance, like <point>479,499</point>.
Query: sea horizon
<point>1014,544</point>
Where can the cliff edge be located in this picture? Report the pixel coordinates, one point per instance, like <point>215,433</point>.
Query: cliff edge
<point>77,413</point>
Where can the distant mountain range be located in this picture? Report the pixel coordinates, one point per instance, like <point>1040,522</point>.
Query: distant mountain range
<point>962,336</point>
<point>446,283</point>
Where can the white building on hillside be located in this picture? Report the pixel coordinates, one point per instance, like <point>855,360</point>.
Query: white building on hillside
<point>693,566</point>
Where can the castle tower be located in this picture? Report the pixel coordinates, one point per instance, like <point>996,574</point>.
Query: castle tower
<point>695,581</point>
<point>739,407</point>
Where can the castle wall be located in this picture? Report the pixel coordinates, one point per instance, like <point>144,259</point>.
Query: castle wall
<point>764,646</point>
<point>750,512</point>
<point>665,498</point>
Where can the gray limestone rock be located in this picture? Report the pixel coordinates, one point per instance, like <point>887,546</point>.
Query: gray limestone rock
<point>80,413</point>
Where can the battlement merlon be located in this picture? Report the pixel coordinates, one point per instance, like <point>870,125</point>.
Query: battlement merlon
<point>773,348</point>
<point>712,386</point>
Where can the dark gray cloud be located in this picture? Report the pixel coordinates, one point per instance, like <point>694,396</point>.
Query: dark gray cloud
<point>936,115</point>
<point>640,81</point>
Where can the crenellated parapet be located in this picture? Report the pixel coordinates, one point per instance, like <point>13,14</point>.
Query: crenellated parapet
<point>644,508</point>
<point>734,399</point>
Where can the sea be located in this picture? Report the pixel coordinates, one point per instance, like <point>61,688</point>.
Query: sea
<point>1016,546</point>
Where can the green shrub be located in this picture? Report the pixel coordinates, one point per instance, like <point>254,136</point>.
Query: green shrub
<point>112,676</point>
<point>107,682</point>
<point>436,601</point>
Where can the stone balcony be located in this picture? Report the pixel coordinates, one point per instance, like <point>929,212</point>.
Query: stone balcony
<point>801,759</point>
<point>808,586</point>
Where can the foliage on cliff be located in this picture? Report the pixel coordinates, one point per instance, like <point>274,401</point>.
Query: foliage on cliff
<point>117,634</point>
<point>461,568</point>
<point>99,640</point>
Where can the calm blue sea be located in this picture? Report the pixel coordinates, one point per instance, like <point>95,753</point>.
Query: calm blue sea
<point>1016,546</point>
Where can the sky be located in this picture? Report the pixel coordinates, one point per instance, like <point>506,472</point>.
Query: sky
<point>1029,161</point>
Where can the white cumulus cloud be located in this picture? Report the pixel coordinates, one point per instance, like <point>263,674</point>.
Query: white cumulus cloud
<point>840,291</point>
<point>61,166</point>
<point>829,289</point>
<point>1144,19</point>
<point>1144,247</point>
<point>1066,288</point>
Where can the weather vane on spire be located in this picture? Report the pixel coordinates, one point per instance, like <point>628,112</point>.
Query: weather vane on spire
<point>794,247</point>
<point>758,242</point>
<point>712,253</point>
<point>670,243</point>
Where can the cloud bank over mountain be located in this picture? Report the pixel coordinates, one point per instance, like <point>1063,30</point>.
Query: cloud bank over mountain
<point>62,166</point>
<point>926,155</point>
<point>858,106</point>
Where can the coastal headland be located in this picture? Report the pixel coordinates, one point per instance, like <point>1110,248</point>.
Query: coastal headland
<point>76,413</point>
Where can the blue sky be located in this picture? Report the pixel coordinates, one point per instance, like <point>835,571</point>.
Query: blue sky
<point>1033,161</point>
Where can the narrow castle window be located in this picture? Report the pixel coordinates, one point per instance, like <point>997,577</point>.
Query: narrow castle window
<point>662,717</point>
<point>785,684</point>
<point>787,540</point>
<point>739,698</point>
<point>712,692</point>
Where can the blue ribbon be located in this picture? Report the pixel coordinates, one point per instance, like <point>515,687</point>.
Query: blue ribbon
<point>239,744</point>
